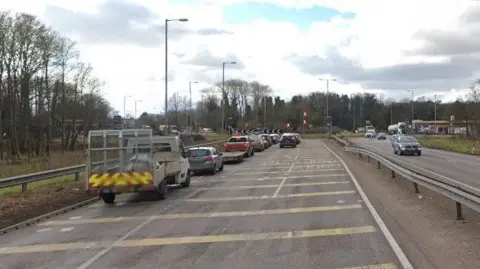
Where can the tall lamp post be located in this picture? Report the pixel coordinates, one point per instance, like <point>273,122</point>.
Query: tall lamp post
<point>326,109</point>
<point>136,101</point>
<point>166,66</point>
<point>223,89</point>
<point>412,103</point>
<point>190,101</point>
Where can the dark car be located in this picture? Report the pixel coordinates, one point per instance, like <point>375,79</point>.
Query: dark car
<point>288,141</point>
<point>382,136</point>
<point>407,145</point>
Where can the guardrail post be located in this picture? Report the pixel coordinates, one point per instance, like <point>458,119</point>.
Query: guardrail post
<point>77,176</point>
<point>360,156</point>
<point>368,158</point>
<point>415,185</point>
<point>379,165</point>
<point>393,174</point>
<point>24,187</point>
<point>459,211</point>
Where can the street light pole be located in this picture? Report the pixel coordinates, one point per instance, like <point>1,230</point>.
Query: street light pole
<point>190,102</point>
<point>412,104</point>
<point>436,128</point>
<point>136,101</point>
<point>264,111</point>
<point>327,111</point>
<point>223,89</point>
<point>166,67</point>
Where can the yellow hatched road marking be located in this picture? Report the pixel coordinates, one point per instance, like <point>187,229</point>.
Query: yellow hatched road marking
<point>275,185</point>
<point>206,215</point>
<point>239,198</point>
<point>375,266</point>
<point>188,240</point>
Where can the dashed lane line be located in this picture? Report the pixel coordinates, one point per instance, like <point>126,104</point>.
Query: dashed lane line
<point>206,215</point>
<point>264,197</point>
<point>187,240</point>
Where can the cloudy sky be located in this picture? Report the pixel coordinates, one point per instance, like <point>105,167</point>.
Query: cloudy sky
<point>377,46</point>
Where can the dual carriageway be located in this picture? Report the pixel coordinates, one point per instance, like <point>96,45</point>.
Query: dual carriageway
<point>286,208</point>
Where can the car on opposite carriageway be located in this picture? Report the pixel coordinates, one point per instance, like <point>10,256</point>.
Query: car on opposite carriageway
<point>407,145</point>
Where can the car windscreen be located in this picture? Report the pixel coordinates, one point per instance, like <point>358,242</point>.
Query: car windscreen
<point>237,139</point>
<point>407,140</point>
<point>198,153</point>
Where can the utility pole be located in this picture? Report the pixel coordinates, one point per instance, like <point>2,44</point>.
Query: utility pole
<point>136,101</point>
<point>264,111</point>
<point>166,68</point>
<point>328,112</point>
<point>223,90</point>
<point>190,102</point>
<point>412,103</point>
<point>391,113</point>
<point>436,128</point>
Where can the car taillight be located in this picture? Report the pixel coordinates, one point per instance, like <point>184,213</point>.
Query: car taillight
<point>208,159</point>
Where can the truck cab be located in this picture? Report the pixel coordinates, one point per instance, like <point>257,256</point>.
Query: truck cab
<point>126,161</point>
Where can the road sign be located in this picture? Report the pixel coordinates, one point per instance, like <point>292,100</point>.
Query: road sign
<point>328,121</point>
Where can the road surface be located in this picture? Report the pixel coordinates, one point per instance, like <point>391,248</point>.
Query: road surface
<point>282,208</point>
<point>461,168</point>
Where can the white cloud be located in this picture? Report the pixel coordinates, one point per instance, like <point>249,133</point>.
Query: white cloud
<point>376,37</point>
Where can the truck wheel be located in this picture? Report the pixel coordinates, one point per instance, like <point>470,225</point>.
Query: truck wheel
<point>162,189</point>
<point>108,198</point>
<point>186,183</point>
<point>221,168</point>
<point>253,153</point>
<point>419,153</point>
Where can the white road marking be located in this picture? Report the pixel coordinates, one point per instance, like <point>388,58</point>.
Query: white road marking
<point>277,191</point>
<point>391,240</point>
<point>76,217</point>
<point>68,229</point>
<point>109,248</point>
<point>340,202</point>
<point>120,204</point>
<point>44,230</point>
<point>295,171</point>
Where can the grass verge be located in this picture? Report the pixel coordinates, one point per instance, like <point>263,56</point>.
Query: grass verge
<point>16,207</point>
<point>449,143</point>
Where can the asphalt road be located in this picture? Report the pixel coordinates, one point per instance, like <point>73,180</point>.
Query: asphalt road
<point>460,168</point>
<point>282,208</point>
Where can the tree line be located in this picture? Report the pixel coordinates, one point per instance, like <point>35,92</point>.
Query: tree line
<point>48,96</point>
<point>253,103</point>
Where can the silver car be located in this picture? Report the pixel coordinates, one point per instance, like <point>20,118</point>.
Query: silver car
<point>205,159</point>
<point>407,145</point>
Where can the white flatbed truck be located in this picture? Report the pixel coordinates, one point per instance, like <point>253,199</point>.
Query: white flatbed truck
<point>133,161</point>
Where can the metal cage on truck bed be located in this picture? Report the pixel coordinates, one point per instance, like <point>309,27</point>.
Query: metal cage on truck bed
<point>119,158</point>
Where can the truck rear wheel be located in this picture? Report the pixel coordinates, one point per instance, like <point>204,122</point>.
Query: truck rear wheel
<point>186,183</point>
<point>162,189</point>
<point>108,198</point>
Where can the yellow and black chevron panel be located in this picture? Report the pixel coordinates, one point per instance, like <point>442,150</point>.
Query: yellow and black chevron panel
<point>120,179</point>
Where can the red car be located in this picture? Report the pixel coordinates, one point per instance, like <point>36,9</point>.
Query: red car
<point>239,143</point>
